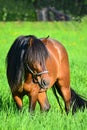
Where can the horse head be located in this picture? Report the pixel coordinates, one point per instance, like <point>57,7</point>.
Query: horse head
<point>35,59</point>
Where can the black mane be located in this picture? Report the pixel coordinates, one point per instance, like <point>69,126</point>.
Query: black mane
<point>21,52</point>
<point>36,52</point>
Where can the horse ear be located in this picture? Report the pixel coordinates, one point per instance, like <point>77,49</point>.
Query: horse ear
<point>45,40</point>
<point>31,41</point>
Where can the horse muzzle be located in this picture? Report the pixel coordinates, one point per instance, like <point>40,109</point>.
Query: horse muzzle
<point>43,83</point>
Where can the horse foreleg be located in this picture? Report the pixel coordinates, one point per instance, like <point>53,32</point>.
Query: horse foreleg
<point>31,91</point>
<point>32,101</point>
<point>43,101</point>
<point>18,100</point>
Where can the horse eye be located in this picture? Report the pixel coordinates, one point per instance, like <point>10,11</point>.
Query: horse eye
<point>35,72</point>
<point>35,80</point>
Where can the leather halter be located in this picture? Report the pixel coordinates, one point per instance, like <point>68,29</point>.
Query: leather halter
<point>36,74</point>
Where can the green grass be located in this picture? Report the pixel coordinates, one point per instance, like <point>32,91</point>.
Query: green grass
<point>73,36</point>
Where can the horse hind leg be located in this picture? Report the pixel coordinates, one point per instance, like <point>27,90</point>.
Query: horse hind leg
<point>65,93</point>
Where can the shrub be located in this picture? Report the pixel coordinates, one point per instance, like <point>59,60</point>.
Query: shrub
<point>17,10</point>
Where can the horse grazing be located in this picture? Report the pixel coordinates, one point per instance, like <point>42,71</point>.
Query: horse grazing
<point>35,65</point>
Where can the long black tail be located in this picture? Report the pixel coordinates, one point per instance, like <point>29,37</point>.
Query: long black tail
<point>15,63</point>
<point>54,89</point>
<point>77,102</point>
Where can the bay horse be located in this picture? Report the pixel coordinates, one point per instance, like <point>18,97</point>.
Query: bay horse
<point>36,64</point>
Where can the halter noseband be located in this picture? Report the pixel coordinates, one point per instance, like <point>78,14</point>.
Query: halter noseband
<point>36,74</point>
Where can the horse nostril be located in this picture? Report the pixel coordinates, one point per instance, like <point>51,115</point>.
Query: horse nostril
<point>44,83</point>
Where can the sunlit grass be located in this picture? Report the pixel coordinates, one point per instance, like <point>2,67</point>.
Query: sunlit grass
<point>73,36</point>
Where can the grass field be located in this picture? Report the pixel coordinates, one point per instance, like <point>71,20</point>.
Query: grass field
<point>73,36</point>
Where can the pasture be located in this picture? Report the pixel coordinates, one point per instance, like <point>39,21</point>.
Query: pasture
<point>73,36</point>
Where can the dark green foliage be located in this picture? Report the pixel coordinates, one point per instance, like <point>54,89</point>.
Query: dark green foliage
<point>14,10</point>
<point>25,10</point>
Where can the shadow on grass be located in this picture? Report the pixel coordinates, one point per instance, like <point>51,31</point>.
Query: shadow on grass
<point>7,104</point>
<point>1,103</point>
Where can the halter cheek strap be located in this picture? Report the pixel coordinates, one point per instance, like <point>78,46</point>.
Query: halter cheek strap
<point>36,74</point>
